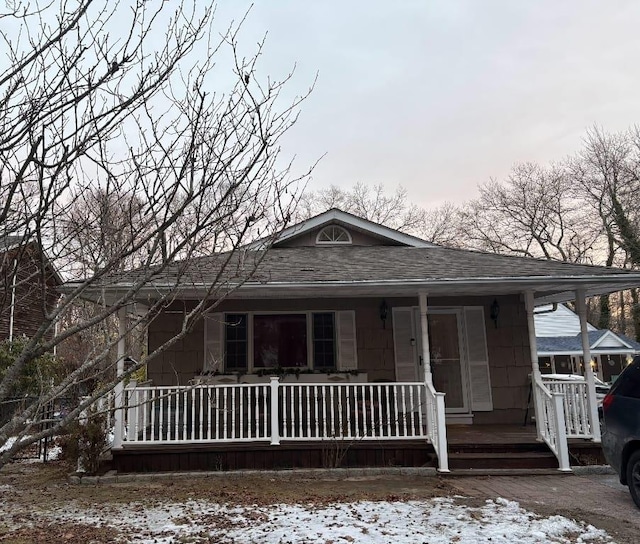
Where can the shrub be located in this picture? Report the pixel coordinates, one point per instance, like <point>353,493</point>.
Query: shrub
<point>86,441</point>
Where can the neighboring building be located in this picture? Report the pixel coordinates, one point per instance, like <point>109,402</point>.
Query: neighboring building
<point>560,345</point>
<point>28,287</point>
<point>329,343</point>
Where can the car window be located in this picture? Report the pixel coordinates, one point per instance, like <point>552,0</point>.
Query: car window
<point>628,383</point>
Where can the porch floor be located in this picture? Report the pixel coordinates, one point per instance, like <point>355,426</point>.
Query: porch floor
<point>491,434</point>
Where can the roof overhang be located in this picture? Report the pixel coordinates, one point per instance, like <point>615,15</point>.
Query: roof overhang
<point>602,351</point>
<point>546,289</point>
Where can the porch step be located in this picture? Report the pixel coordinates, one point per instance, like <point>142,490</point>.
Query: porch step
<point>472,472</point>
<point>517,460</point>
<point>501,456</point>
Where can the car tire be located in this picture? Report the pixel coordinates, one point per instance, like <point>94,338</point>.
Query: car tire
<point>633,477</point>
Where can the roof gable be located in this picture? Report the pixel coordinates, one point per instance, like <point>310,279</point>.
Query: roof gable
<point>370,230</point>
<point>610,340</point>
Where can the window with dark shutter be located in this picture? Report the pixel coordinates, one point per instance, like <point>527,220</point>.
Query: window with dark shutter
<point>236,336</point>
<point>324,345</point>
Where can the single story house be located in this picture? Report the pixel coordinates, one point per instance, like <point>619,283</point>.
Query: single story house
<point>560,346</point>
<point>352,337</point>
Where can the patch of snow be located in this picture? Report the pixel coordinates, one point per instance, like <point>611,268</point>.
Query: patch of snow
<point>10,442</point>
<point>437,521</point>
<point>53,452</point>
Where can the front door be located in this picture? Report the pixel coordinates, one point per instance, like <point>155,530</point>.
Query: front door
<point>458,352</point>
<point>448,365</point>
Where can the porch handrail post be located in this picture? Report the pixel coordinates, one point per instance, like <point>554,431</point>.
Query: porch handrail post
<point>561,432</point>
<point>588,371</point>
<point>443,456</point>
<point>535,367</point>
<point>275,416</point>
<point>119,388</point>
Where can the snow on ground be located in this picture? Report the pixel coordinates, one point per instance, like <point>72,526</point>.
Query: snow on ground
<point>437,521</point>
<point>53,450</point>
<point>10,442</point>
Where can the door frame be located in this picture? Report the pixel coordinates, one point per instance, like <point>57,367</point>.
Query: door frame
<point>464,360</point>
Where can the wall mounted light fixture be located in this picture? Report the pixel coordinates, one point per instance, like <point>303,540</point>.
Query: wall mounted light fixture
<point>494,311</point>
<point>384,312</point>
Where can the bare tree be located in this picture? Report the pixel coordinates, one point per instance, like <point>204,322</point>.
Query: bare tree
<point>533,214</point>
<point>368,201</point>
<point>604,176</point>
<point>115,151</point>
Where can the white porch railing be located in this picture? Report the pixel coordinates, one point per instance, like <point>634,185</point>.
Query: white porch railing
<point>575,406</point>
<point>436,427</point>
<point>551,421</point>
<point>278,412</point>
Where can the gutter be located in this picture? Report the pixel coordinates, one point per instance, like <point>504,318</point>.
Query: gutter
<point>387,283</point>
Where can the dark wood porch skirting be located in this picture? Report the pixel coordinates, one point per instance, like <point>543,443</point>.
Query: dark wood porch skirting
<point>470,447</point>
<point>188,457</point>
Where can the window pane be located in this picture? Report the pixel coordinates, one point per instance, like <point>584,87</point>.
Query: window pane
<point>280,340</point>
<point>236,341</point>
<point>545,365</point>
<point>324,347</point>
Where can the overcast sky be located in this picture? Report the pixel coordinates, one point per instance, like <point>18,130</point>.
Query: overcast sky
<point>440,96</point>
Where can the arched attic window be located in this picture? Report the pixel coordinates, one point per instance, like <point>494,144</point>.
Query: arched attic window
<point>333,235</point>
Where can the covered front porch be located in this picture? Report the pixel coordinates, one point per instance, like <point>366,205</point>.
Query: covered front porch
<point>289,425</point>
<point>453,355</point>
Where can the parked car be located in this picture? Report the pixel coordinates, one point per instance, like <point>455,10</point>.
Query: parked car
<point>621,431</point>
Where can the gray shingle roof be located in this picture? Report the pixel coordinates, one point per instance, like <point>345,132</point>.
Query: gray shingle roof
<point>565,344</point>
<point>383,263</point>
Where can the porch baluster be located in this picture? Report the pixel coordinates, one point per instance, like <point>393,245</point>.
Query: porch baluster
<point>224,412</point>
<point>340,431</point>
<point>388,416</point>
<point>288,415</point>
<point>307,391</point>
<point>161,415</point>
<point>144,414</point>
<point>412,429</point>
<point>371,409</point>
<point>316,416</point>
<point>275,416</point>
<point>396,411</point>
<point>420,404</point>
<point>349,410</point>
<point>323,393</point>
<point>152,402</point>
<point>184,414</point>
<point>404,410</point>
<point>233,413</point>
<point>200,411</point>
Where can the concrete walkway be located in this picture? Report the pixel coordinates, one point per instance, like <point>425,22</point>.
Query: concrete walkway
<point>594,497</point>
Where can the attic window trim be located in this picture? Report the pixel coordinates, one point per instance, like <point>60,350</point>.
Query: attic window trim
<point>334,235</point>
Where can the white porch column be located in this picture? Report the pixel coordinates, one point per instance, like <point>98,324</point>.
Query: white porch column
<point>535,370</point>
<point>581,307</point>
<point>424,328</point>
<point>119,388</point>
